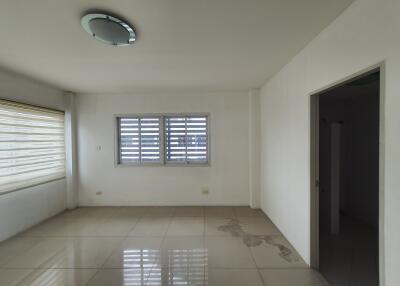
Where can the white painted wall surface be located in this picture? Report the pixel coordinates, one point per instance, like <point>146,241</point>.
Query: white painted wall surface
<point>227,177</point>
<point>254,147</point>
<point>24,208</point>
<point>365,34</point>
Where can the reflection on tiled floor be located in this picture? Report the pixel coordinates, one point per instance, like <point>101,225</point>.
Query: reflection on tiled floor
<point>154,246</point>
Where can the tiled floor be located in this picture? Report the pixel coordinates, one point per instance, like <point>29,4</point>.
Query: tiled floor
<point>218,246</point>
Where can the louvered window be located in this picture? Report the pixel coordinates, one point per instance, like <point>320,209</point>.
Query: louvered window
<point>186,139</point>
<point>31,145</point>
<point>139,140</point>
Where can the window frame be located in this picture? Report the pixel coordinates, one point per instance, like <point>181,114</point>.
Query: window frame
<point>163,162</point>
<point>118,140</point>
<point>186,162</point>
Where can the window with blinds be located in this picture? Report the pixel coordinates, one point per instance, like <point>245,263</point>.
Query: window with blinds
<point>162,139</point>
<point>186,139</point>
<point>139,140</point>
<point>31,145</point>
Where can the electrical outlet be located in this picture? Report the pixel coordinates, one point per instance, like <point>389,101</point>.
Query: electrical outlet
<point>205,190</point>
<point>98,148</point>
<point>99,193</point>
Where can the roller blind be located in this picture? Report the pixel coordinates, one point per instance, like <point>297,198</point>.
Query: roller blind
<point>139,140</point>
<point>186,139</point>
<point>31,145</point>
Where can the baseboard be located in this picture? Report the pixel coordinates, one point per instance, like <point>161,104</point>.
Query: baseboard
<point>180,204</point>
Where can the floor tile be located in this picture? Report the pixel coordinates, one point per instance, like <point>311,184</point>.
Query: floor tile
<point>248,212</point>
<point>115,227</point>
<point>258,226</point>
<point>62,277</point>
<point>189,212</point>
<point>66,253</point>
<point>41,254</point>
<point>226,212</point>
<point>153,245</point>
<point>233,277</point>
<point>88,213</point>
<point>275,252</point>
<point>136,252</point>
<point>183,252</point>
<point>65,227</point>
<point>186,226</point>
<point>16,246</point>
<point>120,277</point>
<point>292,277</point>
<point>49,227</point>
<point>151,226</point>
<point>213,226</point>
<point>159,211</point>
<point>228,252</point>
<point>130,212</point>
<point>176,276</point>
<point>14,277</point>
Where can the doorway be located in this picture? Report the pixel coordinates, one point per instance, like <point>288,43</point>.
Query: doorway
<point>346,172</point>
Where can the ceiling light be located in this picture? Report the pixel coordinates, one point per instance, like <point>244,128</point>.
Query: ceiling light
<point>108,29</point>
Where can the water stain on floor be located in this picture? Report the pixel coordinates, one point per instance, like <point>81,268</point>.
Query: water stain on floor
<point>251,240</point>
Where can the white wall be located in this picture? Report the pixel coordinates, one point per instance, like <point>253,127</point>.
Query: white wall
<point>24,208</point>
<point>365,34</point>
<point>254,147</point>
<point>227,177</point>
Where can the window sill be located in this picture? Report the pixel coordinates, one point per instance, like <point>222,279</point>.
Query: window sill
<point>202,165</point>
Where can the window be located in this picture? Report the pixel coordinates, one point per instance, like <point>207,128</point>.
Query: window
<point>139,140</point>
<point>31,145</point>
<point>186,139</point>
<point>163,139</point>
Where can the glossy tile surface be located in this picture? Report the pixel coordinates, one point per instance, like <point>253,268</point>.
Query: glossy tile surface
<point>154,246</point>
<point>136,252</point>
<point>13,277</point>
<point>292,277</point>
<point>234,277</point>
<point>120,277</point>
<point>151,226</point>
<point>177,276</point>
<point>228,252</point>
<point>79,277</point>
<point>276,252</point>
<point>186,226</point>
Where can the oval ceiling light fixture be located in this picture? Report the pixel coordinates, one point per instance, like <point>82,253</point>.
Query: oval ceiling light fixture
<point>108,29</point>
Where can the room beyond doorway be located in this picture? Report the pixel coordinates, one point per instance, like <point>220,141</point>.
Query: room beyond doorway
<point>346,218</point>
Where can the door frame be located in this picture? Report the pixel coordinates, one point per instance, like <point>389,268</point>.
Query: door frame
<point>314,163</point>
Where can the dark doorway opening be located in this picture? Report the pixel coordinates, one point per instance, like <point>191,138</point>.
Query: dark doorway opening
<point>348,170</point>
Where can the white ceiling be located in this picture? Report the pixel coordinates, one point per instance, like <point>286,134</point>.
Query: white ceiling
<point>182,44</point>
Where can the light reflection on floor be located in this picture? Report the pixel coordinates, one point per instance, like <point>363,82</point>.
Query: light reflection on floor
<point>185,267</point>
<point>152,246</point>
<point>133,258</point>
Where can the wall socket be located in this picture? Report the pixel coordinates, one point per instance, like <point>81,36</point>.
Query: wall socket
<point>205,190</point>
<point>99,193</point>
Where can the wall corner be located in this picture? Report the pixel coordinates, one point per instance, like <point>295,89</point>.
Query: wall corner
<point>71,151</point>
<point>254,147</point>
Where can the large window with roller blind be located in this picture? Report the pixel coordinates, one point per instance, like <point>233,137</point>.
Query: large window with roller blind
<point>31,145</point>
<point>163,139</point>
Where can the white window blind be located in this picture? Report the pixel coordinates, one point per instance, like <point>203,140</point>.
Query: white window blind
<point>186,139</point>
<point>31,145</point>
<point>139,140</point>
